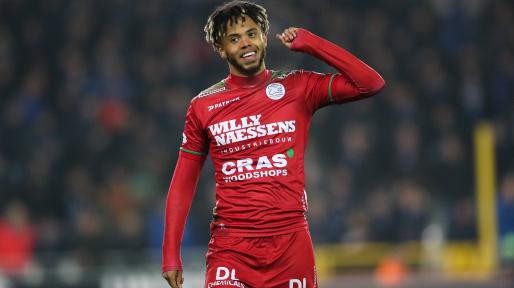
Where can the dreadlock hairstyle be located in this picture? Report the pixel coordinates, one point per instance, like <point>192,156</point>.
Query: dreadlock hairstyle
<point>232,12</point>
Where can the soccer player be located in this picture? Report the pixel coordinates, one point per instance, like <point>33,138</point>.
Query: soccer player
<point>254,123</point>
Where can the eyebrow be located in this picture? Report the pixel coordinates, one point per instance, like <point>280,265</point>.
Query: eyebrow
<point>237,34</point>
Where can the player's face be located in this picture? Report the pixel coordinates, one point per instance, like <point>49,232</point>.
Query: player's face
<point>244,47</point>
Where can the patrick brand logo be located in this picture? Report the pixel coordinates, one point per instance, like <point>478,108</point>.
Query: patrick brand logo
<point>275,91</point>
<point>222,103</point>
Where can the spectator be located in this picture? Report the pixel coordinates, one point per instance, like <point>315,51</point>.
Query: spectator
<point>17,239</point>
<point>505,218</point>
<point>411,214</point>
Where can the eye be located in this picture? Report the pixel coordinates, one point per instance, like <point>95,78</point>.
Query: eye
<point>233,40</point>
<point>252,34</point>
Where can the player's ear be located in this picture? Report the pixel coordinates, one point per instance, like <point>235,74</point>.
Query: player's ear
<point>221,51</point>
<point>265,40</point>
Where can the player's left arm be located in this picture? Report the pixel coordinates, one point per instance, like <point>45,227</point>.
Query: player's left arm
<point>356,81</point>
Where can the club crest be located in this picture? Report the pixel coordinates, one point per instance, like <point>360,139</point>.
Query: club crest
<point>275,91</point>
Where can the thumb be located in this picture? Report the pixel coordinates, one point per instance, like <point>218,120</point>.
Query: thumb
<point>283,40</point>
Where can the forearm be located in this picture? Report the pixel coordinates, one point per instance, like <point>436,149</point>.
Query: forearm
<point>354,72</point>
<point>178,203</point>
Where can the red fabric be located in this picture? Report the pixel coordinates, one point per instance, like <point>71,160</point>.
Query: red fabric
<point>180,196</point>
<point>285,260</point>
<point>357,80</point>
<point>257,142</point>
<point>16,247</point>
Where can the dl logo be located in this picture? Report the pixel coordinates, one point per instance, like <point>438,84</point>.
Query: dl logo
<point>223,273</point>
<point>296,283</point>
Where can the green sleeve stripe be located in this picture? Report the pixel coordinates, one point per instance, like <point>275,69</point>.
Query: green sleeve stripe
<point>192,152</point>
<point>330,98</point>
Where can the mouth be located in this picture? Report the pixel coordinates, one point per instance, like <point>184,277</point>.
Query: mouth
<point>249,56</point>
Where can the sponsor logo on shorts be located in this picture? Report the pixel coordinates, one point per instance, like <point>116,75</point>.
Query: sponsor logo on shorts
<point>225,277</point>
<point>297,283</point>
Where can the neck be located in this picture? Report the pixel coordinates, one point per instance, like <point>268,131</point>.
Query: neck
<point>248,81</point>
<point>234,71</point>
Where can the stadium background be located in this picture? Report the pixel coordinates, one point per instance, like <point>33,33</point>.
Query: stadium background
<point>93,96</point>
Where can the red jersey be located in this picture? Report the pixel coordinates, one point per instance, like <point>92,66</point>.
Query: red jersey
<point>256,132</point>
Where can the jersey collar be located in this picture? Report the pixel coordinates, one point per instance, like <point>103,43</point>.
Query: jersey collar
<point>248,82</point>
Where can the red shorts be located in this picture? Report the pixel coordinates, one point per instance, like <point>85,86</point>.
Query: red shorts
<point>281,261</point>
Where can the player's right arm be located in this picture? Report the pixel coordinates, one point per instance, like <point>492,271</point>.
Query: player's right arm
<point>180,197</point>
<point>179,200</point>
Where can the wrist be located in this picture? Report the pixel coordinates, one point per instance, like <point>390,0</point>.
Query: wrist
<point>165,269</point>
<point>171,259</point>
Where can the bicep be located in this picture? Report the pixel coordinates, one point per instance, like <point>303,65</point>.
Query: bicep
<point>326,89</point>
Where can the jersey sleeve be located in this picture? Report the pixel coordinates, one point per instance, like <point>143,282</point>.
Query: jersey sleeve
<point>194,137</point>
<point>178,203</point>
<point>355,80</point>
<point>324,89</point>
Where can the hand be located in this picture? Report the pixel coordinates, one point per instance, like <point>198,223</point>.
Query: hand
<point>287,36</point>
<point>174,278</point>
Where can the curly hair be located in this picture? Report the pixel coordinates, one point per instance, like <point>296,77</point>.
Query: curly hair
<point>232,12</point>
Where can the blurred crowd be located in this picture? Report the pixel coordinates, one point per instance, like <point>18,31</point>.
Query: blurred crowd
<point>93,96</point>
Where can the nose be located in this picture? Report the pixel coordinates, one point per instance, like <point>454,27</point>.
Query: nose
<point>245,41</point>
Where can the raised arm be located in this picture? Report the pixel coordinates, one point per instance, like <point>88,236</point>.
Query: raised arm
<point>357,80</point>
